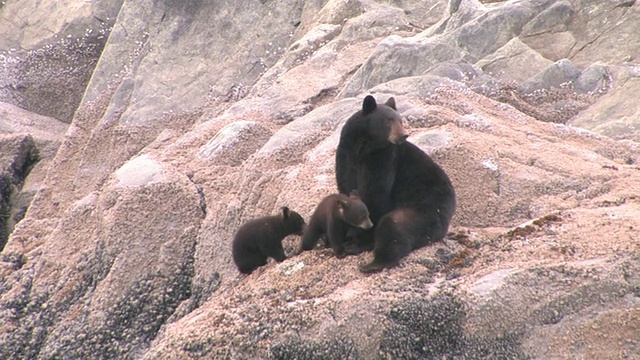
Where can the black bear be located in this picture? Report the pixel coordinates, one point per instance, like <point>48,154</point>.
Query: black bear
<point>260,238</point>
<point>333,218</point>
<point>410,198</point>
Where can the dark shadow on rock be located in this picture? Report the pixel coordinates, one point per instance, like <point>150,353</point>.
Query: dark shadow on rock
<point>434,329</point>
<point>18,156</point>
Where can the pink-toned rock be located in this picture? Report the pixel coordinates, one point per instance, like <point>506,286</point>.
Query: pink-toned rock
<point>193,124</point>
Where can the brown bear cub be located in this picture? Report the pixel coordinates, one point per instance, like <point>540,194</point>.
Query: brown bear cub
<point>333,218</point>
<point>261,238</point>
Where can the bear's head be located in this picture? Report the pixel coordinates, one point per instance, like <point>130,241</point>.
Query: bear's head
<point>292,221</point>
<point>384,124</point>
<point>354,212</point>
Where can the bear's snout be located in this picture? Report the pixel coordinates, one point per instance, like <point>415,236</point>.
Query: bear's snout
<point>366,224</point>
<point>397,135</point>
<point>399,139</point>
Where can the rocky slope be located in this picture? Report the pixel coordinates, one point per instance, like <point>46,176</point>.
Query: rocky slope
<point>188,118</point>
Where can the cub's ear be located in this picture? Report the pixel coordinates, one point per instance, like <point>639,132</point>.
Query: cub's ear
<point>342,205</point>
<point>368,105</point>
<point>285,212</point>
<point>391,103</point>
<point>354,194</point>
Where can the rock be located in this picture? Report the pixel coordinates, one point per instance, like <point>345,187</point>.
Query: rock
<point>317,37</point>
<point>553,46</point>
<point>338,11</point>
<point>615,44</point>
<point>486,34</point>
<point>48,53</point>
<point>29,143</point>
<point>396,57</point>
<point>615,115</point>
<point>515,61</point>
<point>560,73</point>
<point>201,115</point>
<point>458,72</point>
<point>554,19</point>
<point>121,297</point>
<point>19,155</point>
<point>593,79</point>
<point>235,143</point>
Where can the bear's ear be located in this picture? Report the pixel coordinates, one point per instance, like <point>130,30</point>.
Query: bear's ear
<point>368,105</point>
<point>342,205</point>
<point>285,212</point>
<point>354,194</point>
<point>391,103</point>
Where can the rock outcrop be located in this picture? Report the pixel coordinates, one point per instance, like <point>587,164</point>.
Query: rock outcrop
<point>189,118</point>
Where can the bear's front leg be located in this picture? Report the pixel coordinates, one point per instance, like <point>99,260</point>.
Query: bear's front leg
<point>336,233</point>
<point>278,253</point>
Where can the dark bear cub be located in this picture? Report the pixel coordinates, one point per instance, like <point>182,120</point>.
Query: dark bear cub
<point>333,217</point>
<point>260,238</point>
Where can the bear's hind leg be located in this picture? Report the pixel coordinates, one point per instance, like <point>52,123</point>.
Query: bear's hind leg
<point>393,240</point>
<point>278,253</point>
<point>250,263</point>
<point>336,233</point>
<point>311,236</point>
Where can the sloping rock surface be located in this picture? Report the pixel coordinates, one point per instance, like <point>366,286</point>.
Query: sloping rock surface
<point>189,118</point>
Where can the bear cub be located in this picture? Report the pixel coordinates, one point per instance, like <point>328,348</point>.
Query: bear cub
<point>261,238</point>
<point>333,218</point>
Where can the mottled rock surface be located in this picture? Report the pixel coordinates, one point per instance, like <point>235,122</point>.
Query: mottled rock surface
<point>189,118</point>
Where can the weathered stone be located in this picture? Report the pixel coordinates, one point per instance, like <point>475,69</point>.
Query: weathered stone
<point>18,155</point>
<point>489,32</point>
<point>455,71</point>
<point>338,11</point>
<point>594,79</point>
<point>515,61</point>
<point>29,144</point>
<point>556,18</point>
<point>552,46</point>
<point>48,52</point>
<point>235,143</point>
<point>396,57</point>
<point>202,115</point>
<point>560,73</point>
<point>616,114</point>
<point>605,31</point>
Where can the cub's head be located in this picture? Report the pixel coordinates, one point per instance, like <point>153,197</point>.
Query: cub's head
<point>293,222</point>
<point>384,124</point>
<point>353,211</point>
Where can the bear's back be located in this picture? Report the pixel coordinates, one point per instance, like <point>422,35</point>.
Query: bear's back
<point>255,231</point>
<point>419,180</point>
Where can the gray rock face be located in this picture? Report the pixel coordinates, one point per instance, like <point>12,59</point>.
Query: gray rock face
<point>19,154</point>
<point>190,118</point>
<point>616,114</point>
<point>515,61</point>
<point>28,143</point>
<point>560,73</point>
<point>48,52</point>
<point>594,79</point>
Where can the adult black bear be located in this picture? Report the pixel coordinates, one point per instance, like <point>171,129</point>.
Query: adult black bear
<point>410,198</point>
<point>332,218</point>
<point>260,238</point>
